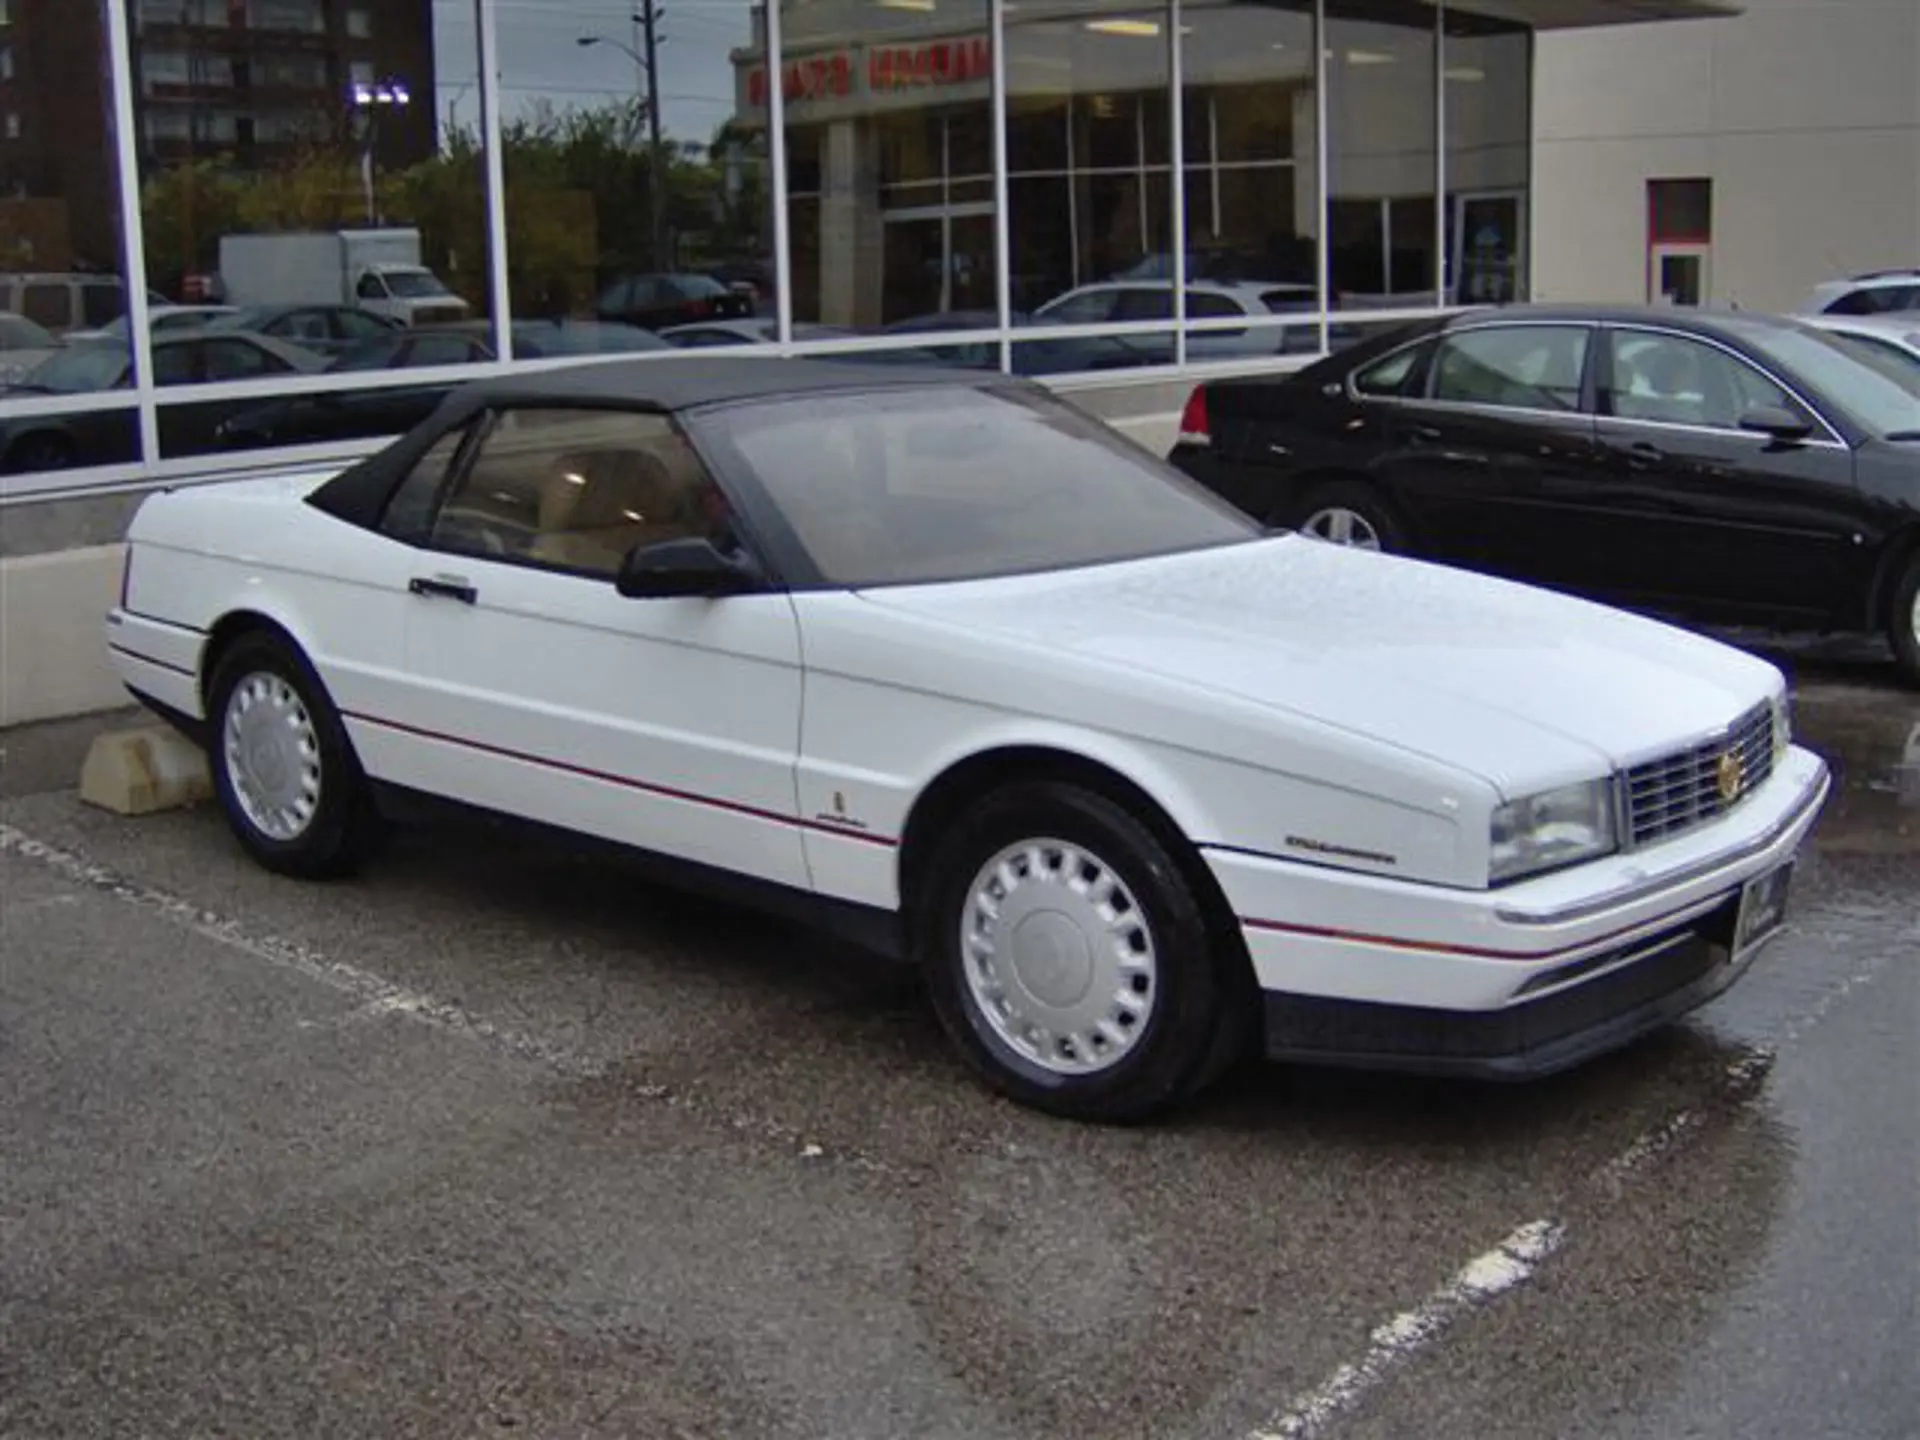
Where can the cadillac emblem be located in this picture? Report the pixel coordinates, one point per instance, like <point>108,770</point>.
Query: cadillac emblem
<point>1728,778</point>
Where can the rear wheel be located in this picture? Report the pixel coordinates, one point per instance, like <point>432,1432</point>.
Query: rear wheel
<point>1350,513</point>
<point>1903,625</point>
<point>1069,958</point>
<point>283,768</point>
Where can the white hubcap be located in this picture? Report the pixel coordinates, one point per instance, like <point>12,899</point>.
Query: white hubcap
<point>1340,526</point>
<point>273,756</point>
<point>1059,960</point>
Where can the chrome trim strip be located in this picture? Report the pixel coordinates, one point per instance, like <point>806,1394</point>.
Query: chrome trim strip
<point>1808,804</point>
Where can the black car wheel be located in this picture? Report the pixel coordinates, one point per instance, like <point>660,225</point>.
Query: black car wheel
<point>1903,624</point>
<point>1350,513</point>
<point>1068,956</point>
<point>283,768</point>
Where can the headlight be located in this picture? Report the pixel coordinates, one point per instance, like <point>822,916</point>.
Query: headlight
<point>1782,727</point>
<point>1546,832</point>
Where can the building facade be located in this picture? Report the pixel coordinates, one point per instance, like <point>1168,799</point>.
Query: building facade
<point>1008,185</point>
<point>1736,162</point>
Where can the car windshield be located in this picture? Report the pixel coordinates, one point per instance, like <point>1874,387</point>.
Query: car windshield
<point>947,482</point>
<point>1873,399</point>
<point>413,284</point>
<point>1897,363</point>
<point>78,369</point>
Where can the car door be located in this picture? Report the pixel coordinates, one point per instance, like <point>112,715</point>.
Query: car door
<point>1481,456</point>
<point>538,690</point>
<point>1702,514</point>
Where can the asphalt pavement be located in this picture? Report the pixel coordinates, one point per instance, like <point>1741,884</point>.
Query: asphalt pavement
<point>499,1139</point>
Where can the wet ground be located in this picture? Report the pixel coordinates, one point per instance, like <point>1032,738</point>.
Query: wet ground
<point>497,1140</point>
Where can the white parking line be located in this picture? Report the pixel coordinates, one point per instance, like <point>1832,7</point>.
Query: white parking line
<point>1481,1280</point>
<point>1514,1261</point>
<point>379,997</point>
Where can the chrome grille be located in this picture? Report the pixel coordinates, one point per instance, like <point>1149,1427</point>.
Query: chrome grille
<point>1676,793</point>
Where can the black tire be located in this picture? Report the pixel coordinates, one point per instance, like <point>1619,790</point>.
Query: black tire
<point>344,826</point>
<point>1903,624</point>
<point>1180,1045</point>
<point>42,451</point>
<point>1358,498</point>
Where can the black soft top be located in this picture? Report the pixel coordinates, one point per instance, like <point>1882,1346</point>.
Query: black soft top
<point>666,385</point>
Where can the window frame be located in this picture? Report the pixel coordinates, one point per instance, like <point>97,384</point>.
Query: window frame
<point>1826,434</point>
<point>481,427</point>
<point>1585,401</point>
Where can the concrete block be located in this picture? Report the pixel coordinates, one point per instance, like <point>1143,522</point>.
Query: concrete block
<point>136,772</point>
<point>53,646</point>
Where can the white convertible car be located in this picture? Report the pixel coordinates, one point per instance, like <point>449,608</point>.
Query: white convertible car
<point>955,669</point>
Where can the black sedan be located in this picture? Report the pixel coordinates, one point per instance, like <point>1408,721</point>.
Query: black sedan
<point>654,302</point>
<point>1729,468</point>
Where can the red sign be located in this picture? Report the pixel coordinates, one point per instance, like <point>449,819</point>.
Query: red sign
<point>834,74</point>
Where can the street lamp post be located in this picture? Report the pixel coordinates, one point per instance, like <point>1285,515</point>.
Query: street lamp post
<point>647,19</point>
<point>371,100</point>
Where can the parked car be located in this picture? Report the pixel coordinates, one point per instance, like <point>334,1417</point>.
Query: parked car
<point>937,659</point>
<point>654,302</point>
<point>1724,467</point>
<point>1114,302</point>
<point>373,413</point>
<point>326,330</point>
<point>1876,292</point>
<point>66,301</point>
<point>23,345</point>
<point>161,319</point>
<point>109,437</point>
<point>1889,343</point>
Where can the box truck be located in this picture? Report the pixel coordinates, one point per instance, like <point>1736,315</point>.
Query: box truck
<point>375,270</point>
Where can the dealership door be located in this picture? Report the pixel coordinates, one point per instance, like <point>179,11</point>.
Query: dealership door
<point>1489,247</point>
<point>938,259</point>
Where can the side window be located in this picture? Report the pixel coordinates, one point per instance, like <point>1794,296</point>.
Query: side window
<point>439,350</point>
<point>1525,367</point>
<point>303,325</point>
<point>48,305</point>
<point>578,490</point>
<point>237,360</point>
<point>356,326</point>
<point>1205,305</point>
<point>1678,381</point>
<point>1145,304</point>
<point>174,364</point>
<point>370,288</point>
<point>1390,376</point>
<point>409,510</point>
<point>1088,309</point>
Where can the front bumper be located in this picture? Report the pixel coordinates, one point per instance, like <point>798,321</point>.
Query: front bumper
<point>1523,980</point>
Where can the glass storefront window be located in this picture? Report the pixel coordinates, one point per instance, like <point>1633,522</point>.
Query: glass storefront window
<point>889,136</point>
<point>1252,191</point>
<point>66,359</point>
<point>1488,72</point>
<point>1382,156</point>
<point>1090,173</point>
<point>631,214</point>
<point>309,207</point>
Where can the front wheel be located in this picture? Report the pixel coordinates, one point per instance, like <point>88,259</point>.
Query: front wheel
<point>1903,626</point>
<point>1068,956</point>
<point>283,769</point>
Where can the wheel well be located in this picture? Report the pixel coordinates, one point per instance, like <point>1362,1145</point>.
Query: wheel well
<point>1899,551</point>
<point>227,629</point>
<point>963,783</point>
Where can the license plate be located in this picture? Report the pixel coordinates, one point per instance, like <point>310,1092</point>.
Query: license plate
<point>1763,910</point>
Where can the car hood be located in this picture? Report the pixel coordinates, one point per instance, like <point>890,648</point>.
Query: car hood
<point>1521,686</point>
